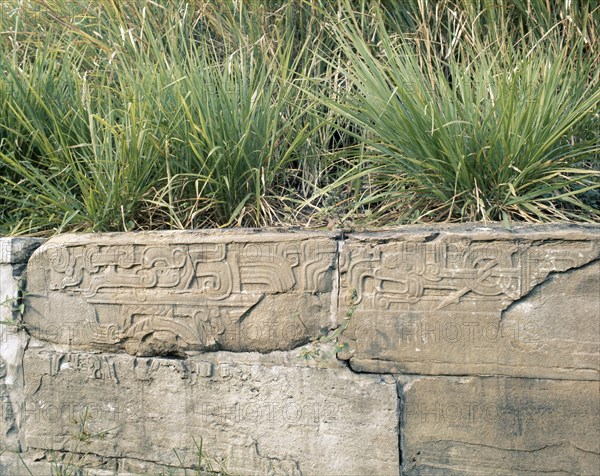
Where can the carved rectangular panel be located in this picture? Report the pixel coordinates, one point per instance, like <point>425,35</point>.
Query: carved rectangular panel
<point>473,301</point>
<point>517,426</point>
<point>255,414</point>
<point>172,293</point>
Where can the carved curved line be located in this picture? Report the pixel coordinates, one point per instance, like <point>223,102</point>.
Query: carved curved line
<point>151,324</point>
<point>88,258</point>
<point>357,282</point>
<point>311,273</point>
<point>214,292</point>
<point>134,281</point>
<point>125,256</point>
<point>73,274</point>
<point>271,274</point>
<point>153,255</point>
<point>60,258</point>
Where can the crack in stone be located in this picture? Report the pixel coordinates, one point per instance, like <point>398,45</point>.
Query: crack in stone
<point>547,279</point>
<point>400,416</point>
<point>403,380</point>
<point>248,311</point>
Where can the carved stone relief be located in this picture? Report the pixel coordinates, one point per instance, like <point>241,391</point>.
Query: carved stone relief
<point>469,349</point>
<point>152,297</point>
<point>458,303</point>
<point>254,415</point>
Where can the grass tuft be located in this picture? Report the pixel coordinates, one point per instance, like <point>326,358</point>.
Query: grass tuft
<point>181,114</point>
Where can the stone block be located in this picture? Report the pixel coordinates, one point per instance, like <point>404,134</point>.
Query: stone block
<point>256,414</point>
<point>168,293</point>
<point>14,253</point>
<point>16,250</point>
<point>467,300</point>
<point>8,425</point>
<point>499,426</point>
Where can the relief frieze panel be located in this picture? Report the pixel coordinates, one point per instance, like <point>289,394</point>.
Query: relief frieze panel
<point>154,297</point>
<point>447,273</point>
<point>457,303</point>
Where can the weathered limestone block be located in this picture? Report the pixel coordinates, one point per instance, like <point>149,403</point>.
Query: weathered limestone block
<point>256,414</point>
<point>489,426</point>
<point>168,293</point>
<point>468,300</point>
<point>45,463</point>
<point>14,253</point>
<point>8,427</point>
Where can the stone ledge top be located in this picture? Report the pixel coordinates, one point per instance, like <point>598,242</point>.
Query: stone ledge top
<point>485,231</point>
<point>17,250</point>
<point>495,230</point>
<point>181,237</point>
<point>14,250</point>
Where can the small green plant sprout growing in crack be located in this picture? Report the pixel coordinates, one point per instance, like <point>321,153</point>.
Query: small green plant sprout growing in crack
<point>314,352</point>
<point>17,306</point>
<point>203,466</point>
<point>75,462</point>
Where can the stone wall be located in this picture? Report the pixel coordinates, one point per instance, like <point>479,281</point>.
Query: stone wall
<point>463,349</point>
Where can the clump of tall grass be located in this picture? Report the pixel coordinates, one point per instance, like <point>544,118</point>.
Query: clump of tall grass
<point>134,122</point>
<point>76,156</point>
<point>476,127</point>
<point>181,114</point>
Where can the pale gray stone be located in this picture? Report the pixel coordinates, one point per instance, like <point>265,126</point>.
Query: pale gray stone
<point>499,426</point>
<point>8,425</point>
<point>15,250</point>
<point>256,414</point>
<point>468,301</point>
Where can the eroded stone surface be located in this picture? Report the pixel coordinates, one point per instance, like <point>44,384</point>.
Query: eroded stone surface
<point>53,463</point>
<point>255,414</point>
<point>171,293</point>
<point>109,313</point>
<point>8,426</point>
<point>17,250</point>
<point>474,302</point>
<point>47,463</point>
<point>489,426</point>
<point>14,253</point>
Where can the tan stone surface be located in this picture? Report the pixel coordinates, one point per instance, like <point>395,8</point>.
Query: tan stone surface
<point>500,426</point>
<point>50,463</point>
<point>493,336</point>
<point>256,414</point>
<point>40,463</point>
<point>474,301</point>
<point>167,293</point>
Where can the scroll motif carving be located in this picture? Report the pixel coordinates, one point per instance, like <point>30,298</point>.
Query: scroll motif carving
<point>157,298</point>
<point>446,273</point>
<point>214,270</point>
<point>452,304</point>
